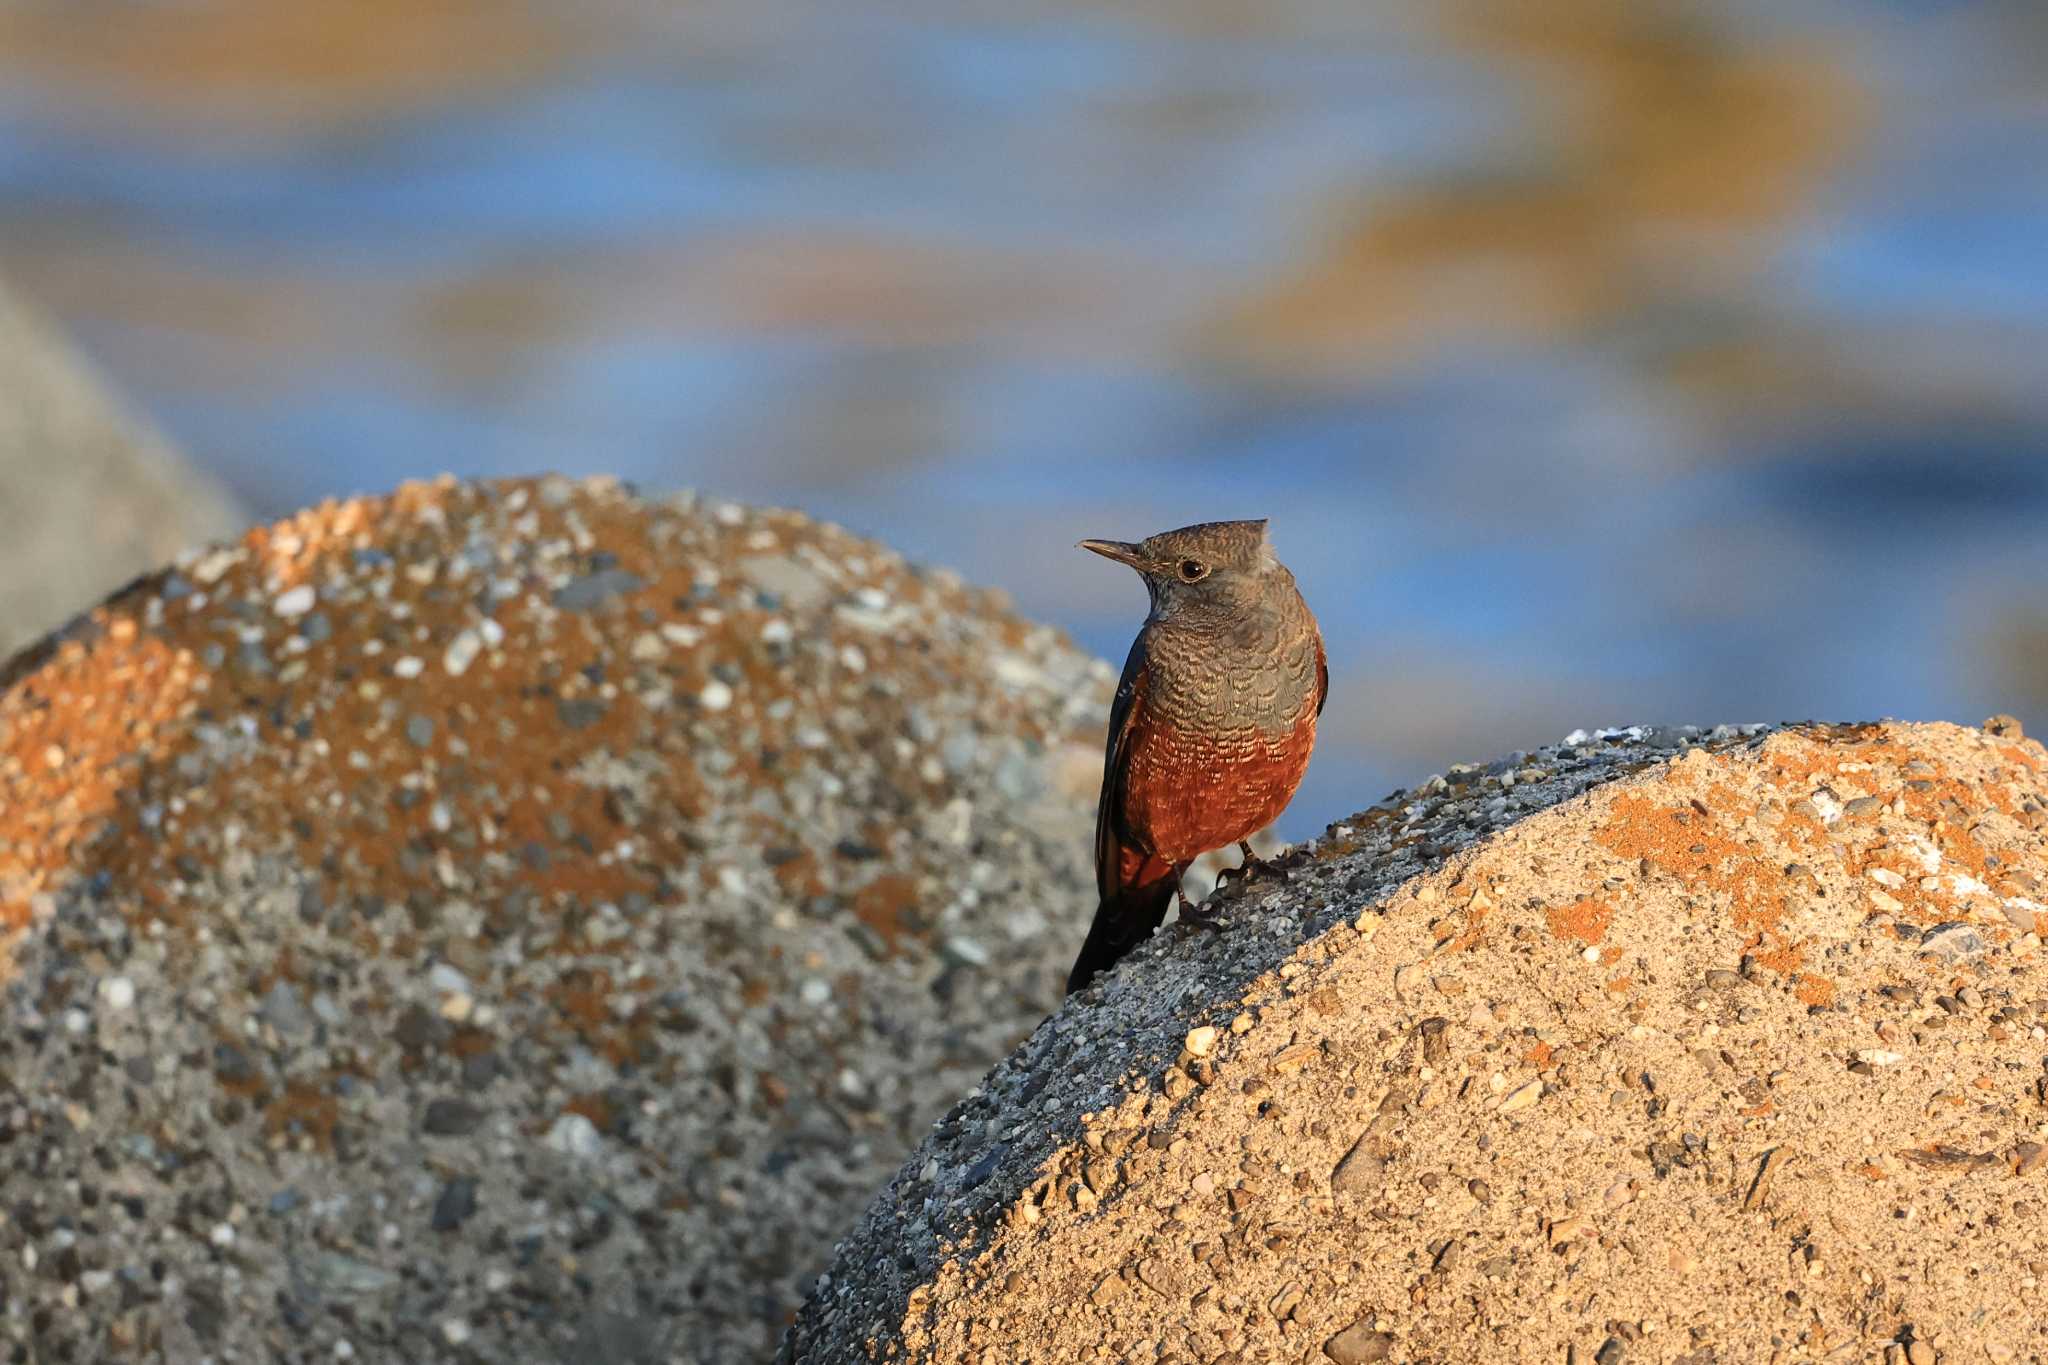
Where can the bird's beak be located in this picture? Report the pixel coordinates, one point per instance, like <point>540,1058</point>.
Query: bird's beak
<point>1121,551</point>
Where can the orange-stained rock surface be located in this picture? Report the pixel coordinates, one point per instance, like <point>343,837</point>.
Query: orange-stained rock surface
<point>1652,1047</point>
<point>509,921</point>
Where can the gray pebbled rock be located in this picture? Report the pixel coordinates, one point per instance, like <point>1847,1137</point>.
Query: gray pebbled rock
<point>558,996</point>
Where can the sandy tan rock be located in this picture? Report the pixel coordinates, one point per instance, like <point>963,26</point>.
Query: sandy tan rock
<point>1633,1064</point>
<point>89,496</point>
<point>517,922</point>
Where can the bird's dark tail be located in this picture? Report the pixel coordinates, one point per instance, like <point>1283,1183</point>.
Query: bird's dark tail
<point>1126,917</point>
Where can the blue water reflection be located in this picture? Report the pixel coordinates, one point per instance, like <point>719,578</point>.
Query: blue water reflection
<point>1663,362</point>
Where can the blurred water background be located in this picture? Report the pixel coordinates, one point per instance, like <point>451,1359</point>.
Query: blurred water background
<point>1597,360</point>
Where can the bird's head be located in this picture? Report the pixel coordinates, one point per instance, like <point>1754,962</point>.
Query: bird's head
<point>1211,565</point>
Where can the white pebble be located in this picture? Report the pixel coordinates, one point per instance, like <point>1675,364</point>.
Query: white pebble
<point>574,1135</point>
<point>462,652</point>
<point>118,992</point>
<point>295,602</point>
<point>968,951</point>
<point>223,1235</point>
<point>409,667</point>
<point>716,696</point>
<point>446,978</point>
<point>211,567</point>
<point>456,1330</point>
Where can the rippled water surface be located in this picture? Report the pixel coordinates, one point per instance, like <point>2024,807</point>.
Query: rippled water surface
<point>1596,361</point>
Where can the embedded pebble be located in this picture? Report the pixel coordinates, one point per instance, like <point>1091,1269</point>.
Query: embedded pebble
<point>1953,940</point>
<point>1521,1097</point>
<point>295,601</point>
<point>1359,1344</point>
<point>462,651</point>
<point>593,590</point>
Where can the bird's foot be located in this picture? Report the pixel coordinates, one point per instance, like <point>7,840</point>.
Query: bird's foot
<point>1253,866</point>
<point>1200,916</point>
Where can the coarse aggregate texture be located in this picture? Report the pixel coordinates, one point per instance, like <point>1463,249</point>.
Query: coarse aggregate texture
<point>89,495</point>
<point>1656,1046</point>
<point>509,922</point>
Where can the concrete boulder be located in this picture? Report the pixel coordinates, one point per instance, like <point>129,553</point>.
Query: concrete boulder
<point>509,922</point>
<point>1658,1046</point>
<point>89,496</point>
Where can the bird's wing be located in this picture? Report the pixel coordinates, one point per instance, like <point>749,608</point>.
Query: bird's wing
<point>1123,718</point>
<point>1322,675</point>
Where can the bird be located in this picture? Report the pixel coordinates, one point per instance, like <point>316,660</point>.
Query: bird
<point>1211,727</point>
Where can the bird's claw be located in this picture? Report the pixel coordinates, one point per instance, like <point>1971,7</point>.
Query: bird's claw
<point>1265,867</point>
<point>1252,866</point>
<point>1200,916</point>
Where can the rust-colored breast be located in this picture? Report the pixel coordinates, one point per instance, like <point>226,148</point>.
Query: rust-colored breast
<point>1188,792</point>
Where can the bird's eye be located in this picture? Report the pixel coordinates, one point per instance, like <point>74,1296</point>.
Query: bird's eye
<point>1193,570</point>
